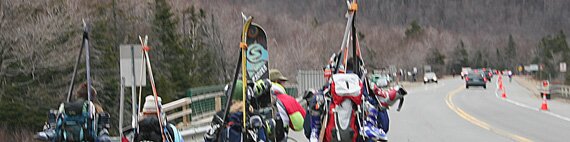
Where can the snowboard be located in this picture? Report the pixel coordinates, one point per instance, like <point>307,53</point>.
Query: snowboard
<point>257,54</point>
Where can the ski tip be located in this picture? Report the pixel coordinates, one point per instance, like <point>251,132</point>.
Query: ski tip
<point>243,16</point>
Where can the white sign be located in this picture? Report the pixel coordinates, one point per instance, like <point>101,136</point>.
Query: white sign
<point>126,63</point>
<point>563,67</point>
<point>531,67</point>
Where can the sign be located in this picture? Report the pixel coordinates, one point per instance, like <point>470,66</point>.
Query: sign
<point>126,63</point>
<point>531,67</point>
<point>563,67</point>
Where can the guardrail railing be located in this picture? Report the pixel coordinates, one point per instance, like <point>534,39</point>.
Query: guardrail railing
<point>556,90</point>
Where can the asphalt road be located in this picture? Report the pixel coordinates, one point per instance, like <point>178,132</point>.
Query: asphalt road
<point>448,112</point>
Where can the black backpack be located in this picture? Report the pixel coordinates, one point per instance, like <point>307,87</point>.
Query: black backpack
<point>149,130</point>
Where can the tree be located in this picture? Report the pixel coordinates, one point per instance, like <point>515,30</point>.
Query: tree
<point>436,59</point>
<point>552,50</point>
<point>459,57</point>
<point>500,59</point>
<point>511,53</point>
<point>414,30</point>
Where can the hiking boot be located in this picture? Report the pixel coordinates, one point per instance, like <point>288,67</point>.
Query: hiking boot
<point>46,135</point>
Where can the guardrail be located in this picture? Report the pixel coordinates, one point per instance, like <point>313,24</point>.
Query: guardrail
<point>556,90</point>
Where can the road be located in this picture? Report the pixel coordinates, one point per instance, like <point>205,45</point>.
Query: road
<point>448,112</point>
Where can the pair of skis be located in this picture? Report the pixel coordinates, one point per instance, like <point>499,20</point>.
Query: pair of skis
<point>253,63</point>
<point>159,113</point>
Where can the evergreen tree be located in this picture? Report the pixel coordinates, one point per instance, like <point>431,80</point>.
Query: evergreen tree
<point>104,38</point>
<point>459,57</point>
<point>511,53</point>
<point>435,57</point>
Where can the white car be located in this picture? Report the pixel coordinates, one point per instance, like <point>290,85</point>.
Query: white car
<point>430,77</point>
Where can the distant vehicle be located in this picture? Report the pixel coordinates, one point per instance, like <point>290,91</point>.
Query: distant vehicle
<point>381,80</point>
<point>475,80</point>
<point>430,77</point>
<point>465,71</point>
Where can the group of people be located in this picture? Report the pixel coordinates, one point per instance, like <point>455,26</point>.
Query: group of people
<point>271,112</point>
<point>288,114</point>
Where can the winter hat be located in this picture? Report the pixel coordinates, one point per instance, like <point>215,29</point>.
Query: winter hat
<point>275,75</point>
<point>82,92</point>
<point>149,104</point>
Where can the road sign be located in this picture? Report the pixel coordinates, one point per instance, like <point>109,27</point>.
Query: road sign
<point>563,67</point>
<point>531,67</point>
<point>126,63</point>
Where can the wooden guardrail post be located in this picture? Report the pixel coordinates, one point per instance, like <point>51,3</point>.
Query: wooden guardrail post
<point>218,103</point>
<point>185,120</point>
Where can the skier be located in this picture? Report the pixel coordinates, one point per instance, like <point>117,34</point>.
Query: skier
<point>290,110</point>
<point>149,127</point>
<point>510,73</point>
<point>288,114</point>
<point>52,129</point>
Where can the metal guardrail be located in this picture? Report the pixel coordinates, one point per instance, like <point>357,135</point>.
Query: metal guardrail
<point>556,90</point>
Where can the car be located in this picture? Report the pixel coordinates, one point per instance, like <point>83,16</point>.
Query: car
<point>475,80</point>
<point>380,80</point>
<point>430,77</point>
<point>465,71</point>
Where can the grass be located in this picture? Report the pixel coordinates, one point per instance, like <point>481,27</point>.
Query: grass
<point>18,135</point>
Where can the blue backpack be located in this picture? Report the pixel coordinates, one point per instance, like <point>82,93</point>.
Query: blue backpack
<point>76,122</point>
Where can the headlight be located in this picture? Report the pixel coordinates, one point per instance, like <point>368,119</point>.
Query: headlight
<point>434,78</point>
<point>425,78</point>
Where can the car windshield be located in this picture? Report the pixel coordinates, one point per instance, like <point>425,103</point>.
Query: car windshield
<point>429,74</point>
<point>474,76</point>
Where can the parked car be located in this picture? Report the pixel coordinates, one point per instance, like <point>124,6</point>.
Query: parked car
<point>475,80</point>
<point>430,77</point>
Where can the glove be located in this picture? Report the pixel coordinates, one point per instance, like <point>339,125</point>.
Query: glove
<point>262,87</point>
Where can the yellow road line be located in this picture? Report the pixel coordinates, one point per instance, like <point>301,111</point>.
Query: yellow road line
<point>475,121</point>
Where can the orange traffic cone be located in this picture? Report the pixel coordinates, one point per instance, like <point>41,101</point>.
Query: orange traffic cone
<point>501,86</point>
<point>544,105</point>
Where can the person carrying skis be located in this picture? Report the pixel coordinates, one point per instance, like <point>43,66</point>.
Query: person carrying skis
<point>231,129</point>
<point>60,128</point>
<point>289,113</point>
<point>149,125</point>
<point>290,110</point>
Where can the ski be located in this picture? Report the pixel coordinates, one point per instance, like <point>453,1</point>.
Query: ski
<point>146,48</point>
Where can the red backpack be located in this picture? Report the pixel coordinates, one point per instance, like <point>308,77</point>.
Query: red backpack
<point>346,93</point>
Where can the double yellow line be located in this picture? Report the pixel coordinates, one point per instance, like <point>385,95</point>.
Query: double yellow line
<point>473,120</point>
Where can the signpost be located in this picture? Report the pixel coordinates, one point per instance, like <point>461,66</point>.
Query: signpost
<point>563,67</point>
<point>131,64</point>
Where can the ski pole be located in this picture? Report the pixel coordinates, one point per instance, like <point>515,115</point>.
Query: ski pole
<point>153,85</point>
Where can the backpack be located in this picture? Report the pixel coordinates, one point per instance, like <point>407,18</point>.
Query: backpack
<point>76,122</point>
<point>346,94</point>
<point>149,130</point>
